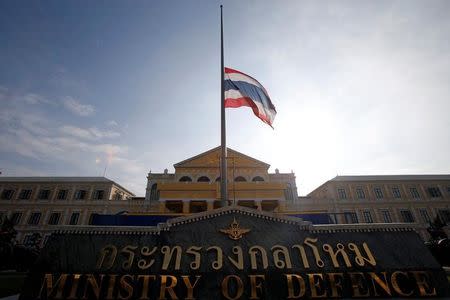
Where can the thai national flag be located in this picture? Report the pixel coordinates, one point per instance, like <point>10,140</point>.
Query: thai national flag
<point>244,90</point>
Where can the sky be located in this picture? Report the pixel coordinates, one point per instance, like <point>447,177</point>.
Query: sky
<point>360,87</point>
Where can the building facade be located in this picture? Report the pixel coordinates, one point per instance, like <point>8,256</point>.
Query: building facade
<point>195,184</point>
<point>414,199</point>
<point>44,204</point>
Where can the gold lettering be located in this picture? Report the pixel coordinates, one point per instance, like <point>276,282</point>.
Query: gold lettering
<point>361,260</point>
<point>381,283</point>
<point>73,290</point>
<point>126,286</point>
<point>128,250</point>
<point>48,284</point>
<point>252,251</point>
<point>303,257</point>
<point>280,263</point>
<point>142,263</point>
<point>168,253</point>
<point>333,254</point>
<point>217,264</point>
<point>396,286</point>
<point>421,277</point>
<point>335,284</point>
<point>165,288</point>
<point>358,283</point>
<point>95,286</point>
<point>240,287</point>
<point>111,285</point>
<point>310,243</point>
<point>240,261</point>
<point>255,286</point>
<point>290,283</point>
<point>194,251</point>
<point>314,285</point>
<point>145,285</point>
<point>190,287</point>
<point>110,251</point>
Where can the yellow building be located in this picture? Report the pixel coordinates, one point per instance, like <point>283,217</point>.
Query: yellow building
<point>45,204</point>
<point>414,199</point>
<point>195,184</point>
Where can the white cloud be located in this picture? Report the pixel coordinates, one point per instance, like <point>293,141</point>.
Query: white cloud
<point>92,133</point>
<point>31,98</point>
<point>78,108</point>
<point>112,123</point>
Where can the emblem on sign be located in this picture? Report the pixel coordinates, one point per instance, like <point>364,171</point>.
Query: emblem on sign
<point>234,231</point>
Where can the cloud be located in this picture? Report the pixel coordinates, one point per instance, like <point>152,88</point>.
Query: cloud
<point>31,98</point>
<point>112,123</point>
<point>92,133</point>
<point>78,108</point>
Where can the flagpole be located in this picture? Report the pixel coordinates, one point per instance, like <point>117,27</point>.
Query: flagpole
<point>223,175</point>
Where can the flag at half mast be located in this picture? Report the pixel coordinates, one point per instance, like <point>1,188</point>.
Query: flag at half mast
<point>243,90</point>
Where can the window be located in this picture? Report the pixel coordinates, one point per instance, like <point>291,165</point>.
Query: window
<point>396,192</point>
<point>62,195</point>
<point>386,216</point>
<point>444,214</point>
<point>414,193</point>
<point>342,194</point>
<point>99,194</point>
<point>350,217</point>
<point>434,192</point>
<point>258,178</point>
<point>407,216</point>
<point>80,195</point>
<point>360,193</point>
<point>203,179</point>
<point>25,194</point>
<point>34,218</point>
<point>367,217</point>
<point>15,218</point>
<point>185,179</point>
<point>28,240</point>
<point>154,193</point>
<point>44,194</point>
<point>240,179</point>
<point>288,194</point>
<point>54,219</point>
<point>378,193</point>
<point>74,218</point>
<point>118,196</point>
<point>7,194</point>
<point>424,215</point>
<point>2,215</point>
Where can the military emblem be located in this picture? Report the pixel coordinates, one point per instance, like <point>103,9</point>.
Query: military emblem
<point>234,232</point>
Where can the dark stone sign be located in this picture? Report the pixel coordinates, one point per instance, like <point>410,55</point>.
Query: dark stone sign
<point>236,253</point>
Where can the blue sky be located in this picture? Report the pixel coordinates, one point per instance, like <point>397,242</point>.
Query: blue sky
<point>361,87</point>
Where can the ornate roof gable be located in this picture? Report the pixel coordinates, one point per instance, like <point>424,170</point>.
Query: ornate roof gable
<point>210,159</point>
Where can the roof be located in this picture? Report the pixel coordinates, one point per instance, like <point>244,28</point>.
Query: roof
<point>392,177</point>
<point>84,179</point>
<point>218,148</point>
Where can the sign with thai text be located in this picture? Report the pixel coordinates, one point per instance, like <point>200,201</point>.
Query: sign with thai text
<point>235,253</point>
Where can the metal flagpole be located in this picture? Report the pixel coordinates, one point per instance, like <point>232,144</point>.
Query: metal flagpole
<point>223,175</point>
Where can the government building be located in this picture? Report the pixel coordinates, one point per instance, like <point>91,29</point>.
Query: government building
<point>45,204</point>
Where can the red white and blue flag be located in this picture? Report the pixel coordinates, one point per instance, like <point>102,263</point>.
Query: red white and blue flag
<point>243,90</point>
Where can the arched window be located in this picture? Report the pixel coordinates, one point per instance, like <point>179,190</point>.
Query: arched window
<point>218,179</point>
<point>258,178</point>
<point>154,193</point>
<point>185,179</point>
<point>240,179</point>
<point>203,179</point>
